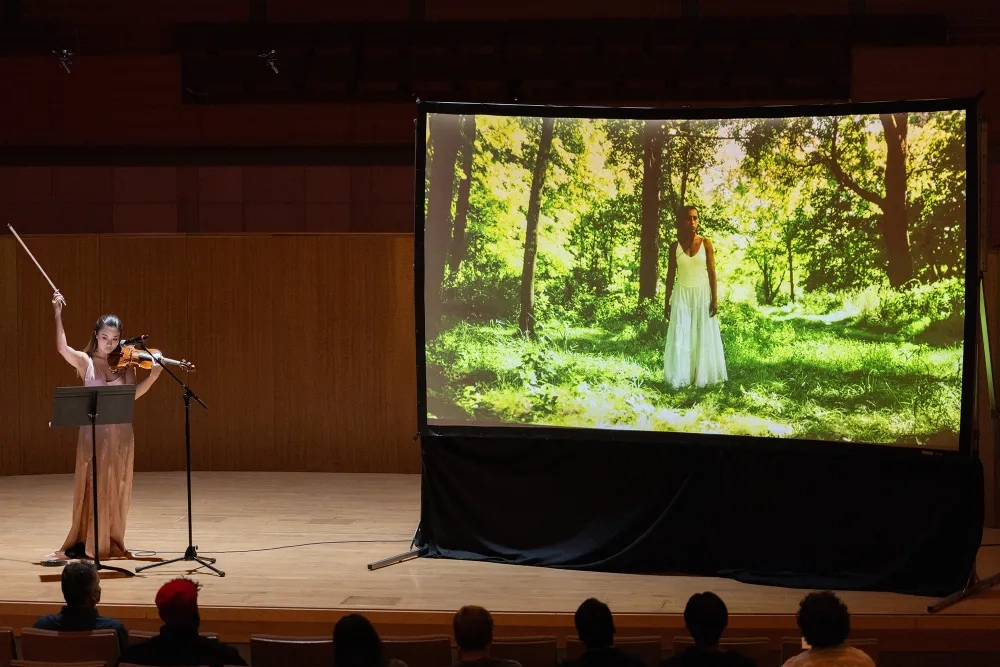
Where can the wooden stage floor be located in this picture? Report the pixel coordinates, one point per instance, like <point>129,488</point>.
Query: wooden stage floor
<point>250,521</point>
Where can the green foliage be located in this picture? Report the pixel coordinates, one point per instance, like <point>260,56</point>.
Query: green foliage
<point>935,308</point>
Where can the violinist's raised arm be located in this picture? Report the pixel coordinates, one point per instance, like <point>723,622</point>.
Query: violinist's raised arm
<point>74,358</point>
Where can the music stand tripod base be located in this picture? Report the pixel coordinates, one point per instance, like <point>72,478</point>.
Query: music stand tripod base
<point>190,555</point>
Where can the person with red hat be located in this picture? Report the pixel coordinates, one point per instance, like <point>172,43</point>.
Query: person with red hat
<point>179,643</point>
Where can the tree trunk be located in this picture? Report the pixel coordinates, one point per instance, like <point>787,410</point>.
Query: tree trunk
<point>667,184</point>
<point>684,175</point>
<point>770,283</point>
<point>462,205</point>
<point>791,275</point>
<point>649,242</point>
<point>437,227</point>
<point>893,224</point>
<point>768,297</point>
<point>527,319</point>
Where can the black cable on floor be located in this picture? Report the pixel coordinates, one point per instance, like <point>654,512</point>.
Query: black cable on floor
<point>141,553</point>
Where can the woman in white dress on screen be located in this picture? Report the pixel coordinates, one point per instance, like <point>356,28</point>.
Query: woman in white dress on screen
<point>693,354</point>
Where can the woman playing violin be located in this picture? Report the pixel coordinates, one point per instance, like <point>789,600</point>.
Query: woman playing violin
<point>115,445</point>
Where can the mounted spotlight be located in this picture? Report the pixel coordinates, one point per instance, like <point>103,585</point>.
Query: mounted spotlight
<point>65,59</point>
<point>271,58</point>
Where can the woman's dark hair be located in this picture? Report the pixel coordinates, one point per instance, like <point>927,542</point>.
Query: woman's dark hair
<point>684,208</point>
<point>824,620</point>
<point>110,321</point>
<point>356,643</point>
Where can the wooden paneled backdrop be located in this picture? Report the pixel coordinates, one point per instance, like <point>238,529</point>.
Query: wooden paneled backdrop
<point>304,346</point>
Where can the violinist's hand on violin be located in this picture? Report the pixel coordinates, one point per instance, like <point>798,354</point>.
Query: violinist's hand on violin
<point>155,371</point>
<point>57,302</point>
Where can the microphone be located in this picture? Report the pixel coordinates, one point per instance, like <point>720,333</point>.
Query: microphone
<point>134,341</point>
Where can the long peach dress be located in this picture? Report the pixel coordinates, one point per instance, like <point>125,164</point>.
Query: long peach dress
<point>115,455</point>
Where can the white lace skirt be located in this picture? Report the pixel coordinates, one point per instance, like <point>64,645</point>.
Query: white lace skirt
<point>693,354</point>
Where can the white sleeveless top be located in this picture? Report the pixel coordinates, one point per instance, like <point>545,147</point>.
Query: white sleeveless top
<point>692,271</point>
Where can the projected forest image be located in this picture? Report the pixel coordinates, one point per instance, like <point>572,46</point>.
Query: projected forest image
<point>795,277</point>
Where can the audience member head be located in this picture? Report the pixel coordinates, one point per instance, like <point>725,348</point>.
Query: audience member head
<point>177,602</point>
<point>824,620</point>
<point>473,632</point>
<point>81,585</point>
<point>594,624</point>
<point>706,617</point>
<point>356,643</point>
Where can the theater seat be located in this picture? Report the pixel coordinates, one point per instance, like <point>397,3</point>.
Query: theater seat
<point>8,651</point>
<point>421,651</point>
<point>649,649</point>
<point>52,646</point>
<point>757,649</point>
<point>529,651</point>
<point>279,651</point>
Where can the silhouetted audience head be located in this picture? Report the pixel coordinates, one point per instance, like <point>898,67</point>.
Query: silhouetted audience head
<point>706,617</point>
<point>177,602</point>
<point>824,620</point>
<point>81,585</point>
<point>594,624</point>
<point>356,643</point>
<point>473,628</point>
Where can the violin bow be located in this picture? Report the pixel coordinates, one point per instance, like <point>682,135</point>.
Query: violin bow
<point>54,288</point>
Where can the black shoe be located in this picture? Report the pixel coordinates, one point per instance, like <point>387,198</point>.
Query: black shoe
<point>77,551</point>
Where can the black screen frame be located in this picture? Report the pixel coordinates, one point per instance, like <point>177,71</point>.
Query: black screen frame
<point>562,434</point>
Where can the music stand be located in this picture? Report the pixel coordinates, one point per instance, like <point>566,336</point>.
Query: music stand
<point>79,406</point>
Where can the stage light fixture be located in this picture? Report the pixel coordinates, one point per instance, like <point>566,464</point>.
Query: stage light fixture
<point>65,58</point>
<point>271,59</point>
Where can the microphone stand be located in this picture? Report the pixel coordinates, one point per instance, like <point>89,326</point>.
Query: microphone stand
<point>191,553</point>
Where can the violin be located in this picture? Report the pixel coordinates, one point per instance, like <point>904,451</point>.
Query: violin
<point>132,355</point>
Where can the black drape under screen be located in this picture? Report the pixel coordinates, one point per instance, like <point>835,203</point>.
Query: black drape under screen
<point>809,519</point>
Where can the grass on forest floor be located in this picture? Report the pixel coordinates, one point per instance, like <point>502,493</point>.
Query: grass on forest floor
<point>790,375</point>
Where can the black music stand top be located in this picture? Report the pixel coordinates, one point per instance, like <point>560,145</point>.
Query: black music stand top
<point>72,406</point>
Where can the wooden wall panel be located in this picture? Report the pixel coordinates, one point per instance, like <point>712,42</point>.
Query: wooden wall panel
<point>338,405</point>
<point>10,441</point>
<point>712,8</point>
<point>312,11</point>
<point>553,9</point>
<point>76,266</point>
<point>304,346</point>
<point>207,199</point>
<point>231,307</point>
<point>400,366</point>
<point>918,73</point>
<point>148,291</point>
